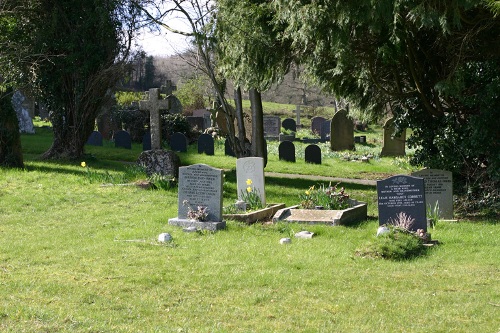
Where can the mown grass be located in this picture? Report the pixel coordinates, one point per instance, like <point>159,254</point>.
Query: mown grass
<point>76,256</point>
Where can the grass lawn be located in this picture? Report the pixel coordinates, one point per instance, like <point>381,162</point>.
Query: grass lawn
<point>76,256</point>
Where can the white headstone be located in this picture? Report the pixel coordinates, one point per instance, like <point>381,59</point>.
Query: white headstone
<point>250,172</point>
<point>438,189</point>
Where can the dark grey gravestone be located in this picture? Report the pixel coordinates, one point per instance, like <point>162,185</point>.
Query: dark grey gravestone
<point>289,124</point>
<point>123,140</point>
<point>357,139</point>
<point>95,139</point>
<point>438,190</point>
<point>146,141</point>
<point>196,123</point>
<point>316,124</point>
<point>175,104</point>
<point>286,151</point>
<point>342,132</point>
<point>362,139</point>
<point>179,142</point>
<point>200,185</point>
<point>402,195</point>
<point>227,149</point>
<point>325,130</point>
<point>313,154</point>
<point>272,126</point>
<point>160,162</point>
<point>206,144</point>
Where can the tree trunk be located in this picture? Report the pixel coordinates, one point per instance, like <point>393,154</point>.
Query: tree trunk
<point>239,115</point>
<point>10,140</point>
<point>259,147</point>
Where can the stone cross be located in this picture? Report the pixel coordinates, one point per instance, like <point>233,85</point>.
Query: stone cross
<point>154,104</point>
<point>168,88</point>
<point>297,112</point>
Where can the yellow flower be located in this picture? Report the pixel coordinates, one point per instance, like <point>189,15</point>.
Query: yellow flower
<point>307,192</point>
<point>83,164</point>
<point>249,189</point>
<point>249,182</point>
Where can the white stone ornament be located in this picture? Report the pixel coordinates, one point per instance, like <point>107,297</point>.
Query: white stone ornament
<point>164,237</point>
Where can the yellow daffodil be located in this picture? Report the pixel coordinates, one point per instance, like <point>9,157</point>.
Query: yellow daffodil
<point>307,192</point>
<point>83,164</point>
<point>249,182</point>
<point>249,189</point>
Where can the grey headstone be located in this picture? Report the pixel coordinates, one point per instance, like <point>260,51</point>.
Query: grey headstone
<point>154,105</point>
<point>272,126</point>
<point>175,104</point>
<point>313,154</point>
<point>123,140</point>
<point>289,124</point>
<point>23,113</point>
<point>196,123</point>
<point>325,130</point>
<point>206,144</point>
<point>402,194</point>
<point>200,185</point>
<point>393,145</point>
<point>179,142</point>
<point>251,168</point>
<point>438,189</point>
<point>342,132</point>
<point>160,162</point>
<point>316,124</point>
<point>286,151</point>
<point>95,139</point>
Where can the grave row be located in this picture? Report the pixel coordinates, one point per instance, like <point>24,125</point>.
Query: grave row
<point>401,199</point>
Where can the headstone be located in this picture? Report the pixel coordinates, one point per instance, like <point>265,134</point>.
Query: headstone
<point>272,126</point>
<point>178,142</point>
<point>357,139</point>
<point>95,139</point>
<point>325,130</point>
<point>200,185</point>
<point>286,151</point>
<point>196,123</point>
<point>228,151</point>
<point>289,124</point>
<point>313,154</point>
<point>23,114</point>
<point>168,88</point>
<point>175,104</point>
<point>154,105</point>
<point>123,139</point>
<point>251,168</point>
<point>160,162</point>
<point>362,139</point>
<point>342,132</point>
<point>206,144</point>
<point>146,141</point>
<point>206,115</point>
<point>297,111</point>
<point>316,124</point>
<point>393,145</point>
<point>438,189</point>
<point>402,198</point>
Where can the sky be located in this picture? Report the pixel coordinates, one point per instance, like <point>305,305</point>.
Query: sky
<point>164,44</point>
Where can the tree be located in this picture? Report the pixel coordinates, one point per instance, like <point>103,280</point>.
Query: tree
<point>11,154</point>
<point>428,62</point>
<point>72,52</point>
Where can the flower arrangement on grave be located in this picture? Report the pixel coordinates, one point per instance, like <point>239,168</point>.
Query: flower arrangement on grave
<point>198,214</point>
<point>251,196</point>
<point>324,197</point>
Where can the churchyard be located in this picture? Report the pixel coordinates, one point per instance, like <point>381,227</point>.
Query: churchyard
<point>80,251</point>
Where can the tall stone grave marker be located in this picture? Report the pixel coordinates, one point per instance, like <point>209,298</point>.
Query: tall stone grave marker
<point>393,146</point>
<point>438,189</point>
<point>206,144</point>
<point>123,139</point>
<point>289,124</point>
<point>200,185</point>
<point>297,111</point>
<point>286,151</point>
<point>272,126</point>
<point>250,173</point>
<point>316,124</point>
<point>312,154</point>
<point>154,104</point>
<point>342,132</point>
<point>400,195</point>
<point>179,142</point>
<point>95,139</point>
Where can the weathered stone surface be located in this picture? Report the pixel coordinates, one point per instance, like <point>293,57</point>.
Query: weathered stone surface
<point>160,162</point>
<point>25,121</point>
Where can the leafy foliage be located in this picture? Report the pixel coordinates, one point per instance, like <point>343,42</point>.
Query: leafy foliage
<point>327,197</point>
